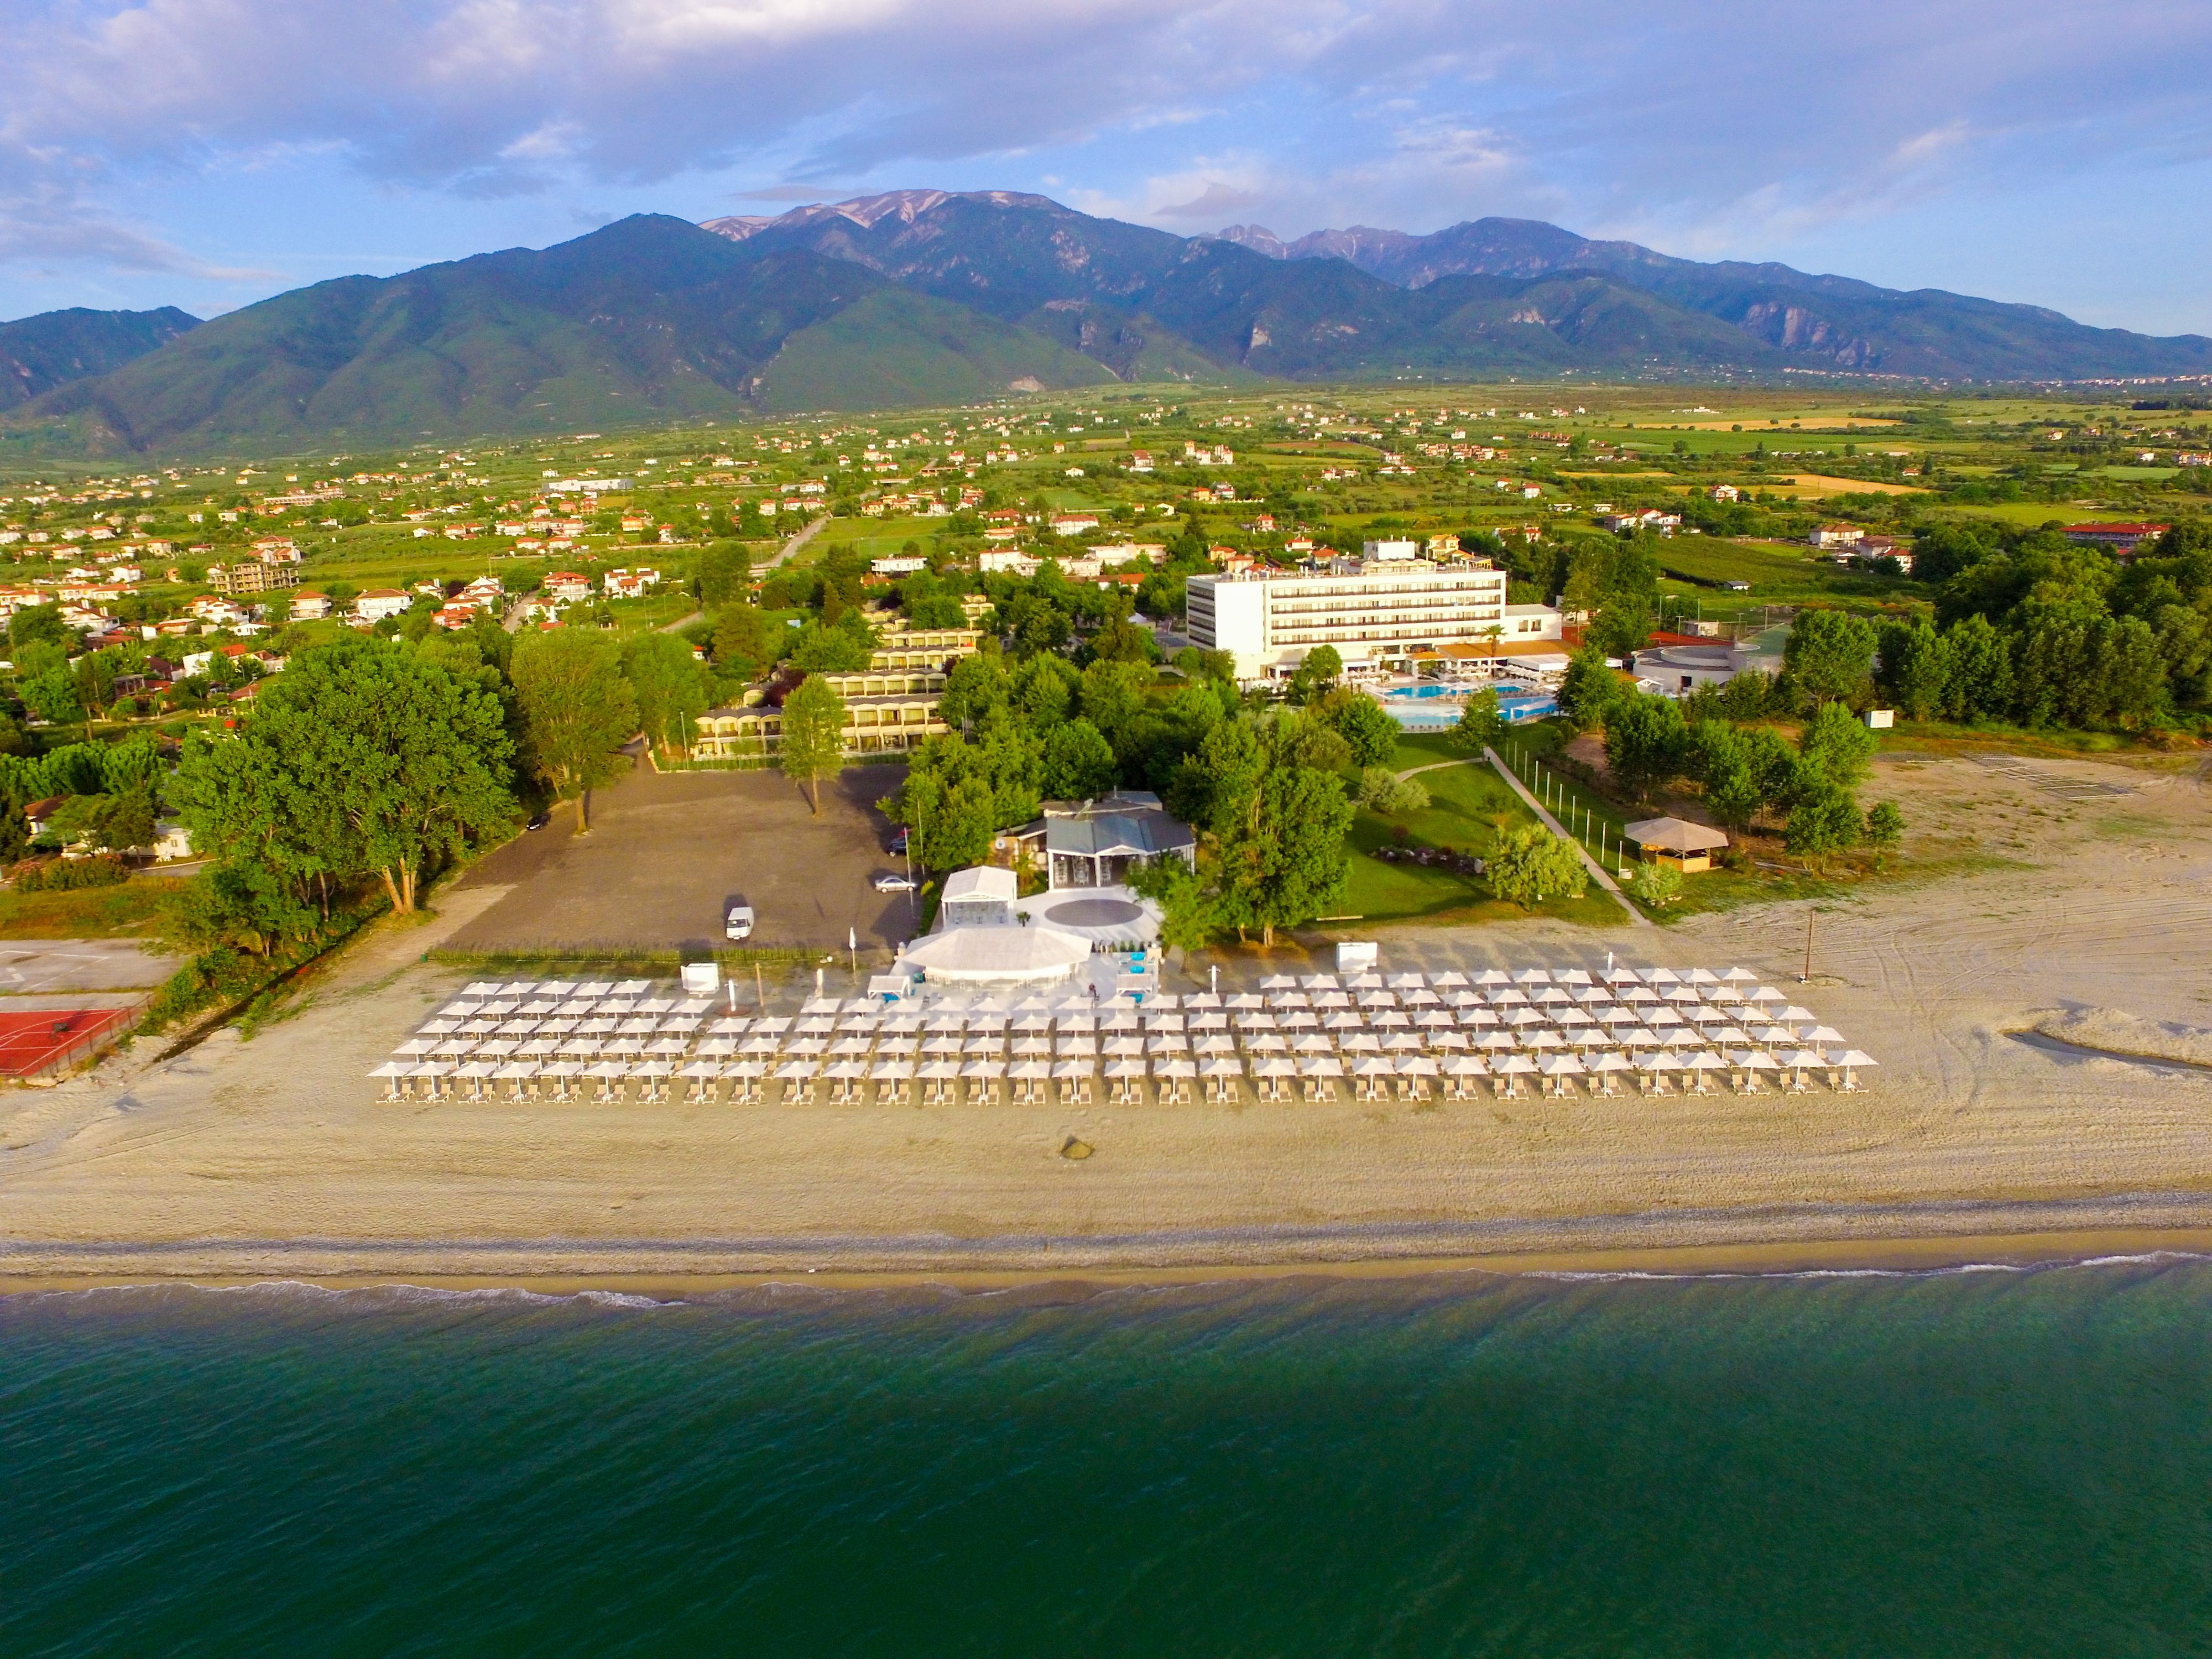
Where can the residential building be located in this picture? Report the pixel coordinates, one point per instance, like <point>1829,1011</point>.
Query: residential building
<point>567,588</point>
<point>890,705</point>
<point>2121,538</point>
<point>378,603</point>
<point>310,605</point>
<point>1533,622</point>
<point>1830,536</point>
<point>1073,524</point>
<point>1006,561</point>
<point>898,564</point>
<point>1391,550</point>
<point>1375,614</point>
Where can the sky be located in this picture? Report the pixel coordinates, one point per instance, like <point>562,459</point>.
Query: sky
<point>209,153</point>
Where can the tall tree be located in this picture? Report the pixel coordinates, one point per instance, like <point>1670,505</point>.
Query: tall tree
<point>1646,743</point>
<point>1828,656</point>
<point>577,710</point>
<point>814,743</point>
<point>670,686</point>
<point>360,756</point>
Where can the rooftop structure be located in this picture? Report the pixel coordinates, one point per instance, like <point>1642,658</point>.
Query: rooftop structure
<point>1675,840</point>
<point>994,956</point>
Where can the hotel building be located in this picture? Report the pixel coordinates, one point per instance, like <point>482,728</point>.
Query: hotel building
<point>1376,614</point>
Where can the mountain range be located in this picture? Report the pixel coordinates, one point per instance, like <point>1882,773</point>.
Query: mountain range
<point>933,297</point>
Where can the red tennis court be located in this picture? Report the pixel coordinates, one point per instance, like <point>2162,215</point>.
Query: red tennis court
<point>34,1042</point>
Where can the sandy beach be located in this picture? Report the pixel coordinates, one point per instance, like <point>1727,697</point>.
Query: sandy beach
<point>2075,897</point>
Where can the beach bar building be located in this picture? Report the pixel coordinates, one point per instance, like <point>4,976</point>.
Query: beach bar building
<point>1688,846</point>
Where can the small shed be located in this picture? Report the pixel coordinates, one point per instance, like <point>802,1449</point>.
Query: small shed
<point>1688,846</point>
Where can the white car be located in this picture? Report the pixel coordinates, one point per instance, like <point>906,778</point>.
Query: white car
<point>894,884</point>
<point>738,924</point>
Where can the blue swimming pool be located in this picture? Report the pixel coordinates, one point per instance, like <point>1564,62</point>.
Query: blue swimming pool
<point>1515,707</point>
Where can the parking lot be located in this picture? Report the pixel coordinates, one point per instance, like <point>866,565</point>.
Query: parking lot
<point>669,853</point>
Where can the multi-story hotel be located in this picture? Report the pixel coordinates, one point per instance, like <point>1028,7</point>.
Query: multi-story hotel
<point>1375,614</point>
<point>890,705</point>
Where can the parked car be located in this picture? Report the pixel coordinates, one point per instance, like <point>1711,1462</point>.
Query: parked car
<point>738,924</point>
<point>894,884</point>
<point>541,820</point>
<point>898,845</point>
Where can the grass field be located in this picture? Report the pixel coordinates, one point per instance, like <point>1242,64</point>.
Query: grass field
<point>1779,573</point>
<point>1469,806</point>
<point>129,911</point>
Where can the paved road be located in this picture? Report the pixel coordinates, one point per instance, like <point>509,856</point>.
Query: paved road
<point>35,967</point>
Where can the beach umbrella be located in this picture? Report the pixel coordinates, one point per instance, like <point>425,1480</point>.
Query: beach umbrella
<point>1122,1048</point>
<point>982,1071</point>
<point>1220,1065</point>
<point>1766,993</point>
<point>1680,1036</point>
<point>1253,1022</point>
<point>1299,1019</point>
<point>1420,999</point>
<point>1033,1048</point>
<point>1682,995</point>
<point>1373,1066</point>
<point>1560,1066</point>
<point>700,1070</point>
<point>454,1048</point>
<point>845,1046</point>
<point>1361,1043</point>
<point>1317,982</point>
<point>517,1071</point>
<point>1287,999</point>
<point>1245,1001</point>
<point>1267,1043</point>
<point>1441,1041</point>
<point>1200,1000</point>
<point>1663,1016</point>
<point>1512,1066</point>
<point>1545,1039</point>
<point>1399,1043</point>
<point>1163,1022</point>
<point>937,1070</point>
<point>1215,1045</point>
<point>641,1025</point>
<point>1274,1066</point>
<point>1494,1042</point>
<point>1367,982</point>
<point>1584,1036</point>
<point>746,1071</point>
<point>820,1025</point>
<point>1343,1021</point>
<point>1119,1025</point>
<point>942,1045</point>
<point>1478,1019</point>
<point>1314,1043</point>
<point>1278,982</point>
<point>775,1025</point>
<point>760,1043</point>
<point>521,1027</point>
<point>1491,977</point>
<point>416,1048</point>
<point>1751,1060</point>
<point>1209,1021</point>
<point>1319,1066</point>
<point>796,1071</point>
<point>718,1047</point>
<point>1377,1000</point>
<point>1793,1015</point>
<point>655,1068</point>
<point>575,1047</point>
<point>1522,1017</point>
<point>1463,999</point>
<point>1331,1000</point>
<point>394,1068</point>
<point>1616,1017</point>
<point>1508,998</point>
<point>498,1048</point>
<point>1177,1068</point>
<point>1171,1043</point>
<point>1659,976</point>
<point>1031,1025</point>
<point>1824,1033</point>
<point>1738,976</point>
<point>1068,1071</point>
<point>481,988</point>
<point>667,1049</point>
<point>608,1070</point>
<point>1404,983</point>
<point>1391,1020</point>
<point>1849,1061</point>
<point>1123,1070</point>
<point>984,1045</point>
<point>1774,1034</point>
<point>1592,996</point>
<point>1450,980</point>
<point>889,1071</point>
<point>1416,1065</point>
<point>538,1047</point>
<point>1069,1023</point>
<point>1081,1048</point>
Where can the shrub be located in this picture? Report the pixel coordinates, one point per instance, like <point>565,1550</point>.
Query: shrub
<point>66,875</point>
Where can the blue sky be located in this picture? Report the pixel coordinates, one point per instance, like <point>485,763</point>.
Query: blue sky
<point>208,152</point>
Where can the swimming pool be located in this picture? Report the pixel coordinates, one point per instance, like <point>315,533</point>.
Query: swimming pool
<point>1516,708</point>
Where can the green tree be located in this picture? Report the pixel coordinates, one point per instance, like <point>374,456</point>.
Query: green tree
<point>358,756</point>
<point>52,696</point>
<point>1835,749</point>
<point>37,624</point>
<point>669,685</point>
<point>1914,666</point>
<point>1078,763</point>
<point>1383,792</point>
<point>813,746</point>
<point>1828,657</point>
<point>1655,884</point>
<point>1885,826</point>
<point>1481,723</point>
<point>1824,820</point>
<point>1530,863</point>
<point>742,646</point>
<point>725,575</point>
<point>1646,743</point>
<point>578,712</point>
<point>1316,674</point>
<point>1588,688</point>
<point>1364,724</point>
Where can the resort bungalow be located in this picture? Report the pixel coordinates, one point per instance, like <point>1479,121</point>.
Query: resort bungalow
<point>980,897</point>
<point>1094,843</point>
<point>1688,846</point>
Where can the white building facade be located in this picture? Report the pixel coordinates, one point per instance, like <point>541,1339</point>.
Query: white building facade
<point>1269,619</point>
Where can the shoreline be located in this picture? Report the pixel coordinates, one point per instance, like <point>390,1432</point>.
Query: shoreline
<point>2176,1224</point>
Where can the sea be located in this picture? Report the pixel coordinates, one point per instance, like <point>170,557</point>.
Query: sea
<point>2000,1462</point>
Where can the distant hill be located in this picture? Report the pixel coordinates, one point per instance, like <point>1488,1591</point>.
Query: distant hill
<point>38,354</point>
<point>928,297</point>
<point>1830,322</point>
<point>646,319</point>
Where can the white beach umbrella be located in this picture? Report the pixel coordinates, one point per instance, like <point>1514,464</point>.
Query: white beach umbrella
<point>1774,1034</point>
<point>1313,1044</point>
<point>608,1070</point>
<point>1317,981</point>
<point>796,1071</point>
<point>1608,1063</point>
<point>1319,1066</point>
<point>1331,1000</point>
<point>1170,1042</point>
<point>1526,977</point>
<point>1123,1070</point>
<point>1123,1048</point>
<point>1404,983</point>
<point>700,1070</point>
<point>1390,1020</point>
<point>1261,1021</point>
<point>654,1068</point>
<point>1344,1022</point>
<point>1466,1066</point>
<point>1209,1020</point>
<point>392,1068</point>
<point>1495,1042</point>
<point>1274,1066</point>
<point>1542,1040</point>
<point>1215,1044</point>
<point>1360,1042</point>
<point>1450,980</point>
<point>1664,1016</point>
<point>1163,1022</point>
<point>517,1071</point>
<point>982,1071</point>
<point>668,1048</point>
<point>1266,1042</point>
<point>1560,1066</point>
<point>889,1071</point>
<point>1402,1042</point>
<point>1374,1066</point>
<point>1480,1019</point>
<point>1367,982</point>
<point>1512,1066</point>
<point>416,1048</point>
<point>1201,999</point>
<point>1491,977</point>
<point>1416,1065</point>
<point>1079,1048</point>
<point>1245,1000</point>
<point>1220,1065</point>
<point>1177,1066</point>
<point>1508,998</point>
<point>1439,1041</point>
<point>1377,999</point>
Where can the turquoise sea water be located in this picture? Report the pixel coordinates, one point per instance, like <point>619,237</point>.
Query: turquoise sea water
<point>1973,1463</point>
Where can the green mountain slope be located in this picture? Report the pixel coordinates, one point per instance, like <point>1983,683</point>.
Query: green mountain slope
<point>38,354</point>
<point>895,349</point>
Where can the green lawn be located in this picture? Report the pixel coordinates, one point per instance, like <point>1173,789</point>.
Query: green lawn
<point>124,912</point>
<point>1468,806</point>
<point>1779,572</point>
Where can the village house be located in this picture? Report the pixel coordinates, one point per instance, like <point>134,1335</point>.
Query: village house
<point>378,603</point>
<point>309,605</point>
<point>567,588</point>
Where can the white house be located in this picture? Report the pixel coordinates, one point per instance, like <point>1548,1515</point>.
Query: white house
<point>378,603</point>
